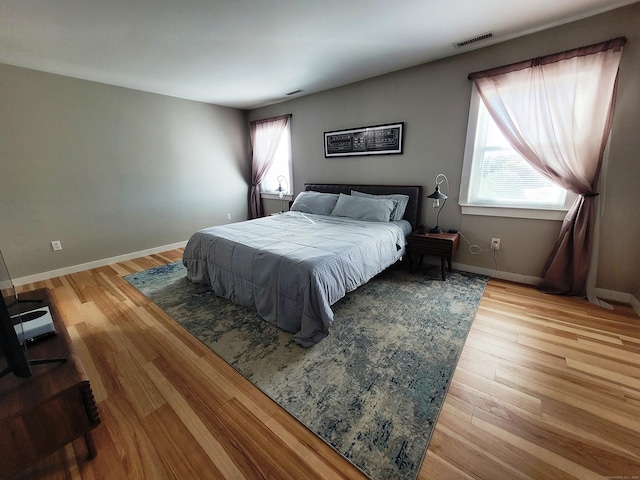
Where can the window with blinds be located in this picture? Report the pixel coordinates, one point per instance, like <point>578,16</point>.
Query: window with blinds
<point>500,176</point>
<point>496,180</point>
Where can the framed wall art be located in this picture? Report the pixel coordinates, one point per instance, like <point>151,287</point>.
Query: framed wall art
<point>375,140</point>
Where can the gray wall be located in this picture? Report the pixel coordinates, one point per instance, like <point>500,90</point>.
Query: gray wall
<point>433,100</point>
<point>109,171</point>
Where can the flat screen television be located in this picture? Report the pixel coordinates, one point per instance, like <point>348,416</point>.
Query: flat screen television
<point>14,355</point>
<point>15,358</point>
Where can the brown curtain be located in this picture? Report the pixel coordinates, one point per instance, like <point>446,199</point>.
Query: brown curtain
<point>556,111</point>
<point>265,136</point>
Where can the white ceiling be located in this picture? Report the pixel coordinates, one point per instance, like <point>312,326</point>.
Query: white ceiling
<point>249,53</point>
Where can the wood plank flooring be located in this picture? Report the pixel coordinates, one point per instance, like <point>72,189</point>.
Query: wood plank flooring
<point>547,388</point>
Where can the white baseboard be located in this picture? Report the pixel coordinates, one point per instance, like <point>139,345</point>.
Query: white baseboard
<point>635,303</point>
<point>512,277</point>
<point>490,272</point>
<point>613,295</point>
<point>39,277</point>
<point>601,293</point>
<point>620,297</point>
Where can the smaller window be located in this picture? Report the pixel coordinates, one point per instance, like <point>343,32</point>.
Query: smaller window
<point>280,172</point>
<point>497,180</point>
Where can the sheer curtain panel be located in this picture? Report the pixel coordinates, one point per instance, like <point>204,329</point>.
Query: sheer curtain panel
<point>265,136</point>
<point>556,111</point>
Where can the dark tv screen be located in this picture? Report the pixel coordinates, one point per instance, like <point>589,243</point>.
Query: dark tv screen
<point>13,357</point>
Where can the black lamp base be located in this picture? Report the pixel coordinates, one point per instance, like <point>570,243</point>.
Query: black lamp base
<point>436,229</point>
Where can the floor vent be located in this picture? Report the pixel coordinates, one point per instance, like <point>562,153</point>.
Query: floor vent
<point>476,39</point>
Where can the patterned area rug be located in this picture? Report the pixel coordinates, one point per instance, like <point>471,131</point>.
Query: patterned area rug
<point>374,387</point>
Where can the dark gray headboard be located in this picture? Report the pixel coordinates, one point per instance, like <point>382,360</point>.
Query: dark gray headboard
<point>411,214</point>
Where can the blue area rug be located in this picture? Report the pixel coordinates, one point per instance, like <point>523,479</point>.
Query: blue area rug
<point>374,387</point>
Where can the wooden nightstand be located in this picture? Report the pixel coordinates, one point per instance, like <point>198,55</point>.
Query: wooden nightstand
<point>443,245</point>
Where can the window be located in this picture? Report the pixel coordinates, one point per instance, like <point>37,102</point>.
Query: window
<point>281,168</point>
<point>498,181</point>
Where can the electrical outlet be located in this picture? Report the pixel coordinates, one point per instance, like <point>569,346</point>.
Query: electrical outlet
<point>495,244</point>
<point>56,245</point>
<point>228,216</point>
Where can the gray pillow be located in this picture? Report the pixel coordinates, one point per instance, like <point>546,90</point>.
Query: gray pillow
<point>315,202</point>
<point>401,206</point>
<point>372,209</point>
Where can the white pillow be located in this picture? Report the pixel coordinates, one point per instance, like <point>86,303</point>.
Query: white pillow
<point>361,208</point>
<point>315,202</point>
<point>401,206</point>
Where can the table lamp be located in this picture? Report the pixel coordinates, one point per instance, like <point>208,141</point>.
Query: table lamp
<point>281,191</point>
<point>438,200</point>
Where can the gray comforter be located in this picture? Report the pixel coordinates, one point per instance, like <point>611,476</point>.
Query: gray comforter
<point>291,268</point>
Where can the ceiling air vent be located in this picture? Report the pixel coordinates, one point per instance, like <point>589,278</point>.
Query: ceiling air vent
<point>295,92</point>
<point>476,39</point>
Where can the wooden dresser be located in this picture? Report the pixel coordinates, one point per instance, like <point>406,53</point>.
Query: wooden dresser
<point>53,407</point>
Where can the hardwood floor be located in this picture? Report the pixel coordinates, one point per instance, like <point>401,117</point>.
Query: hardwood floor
<point>547,388</point>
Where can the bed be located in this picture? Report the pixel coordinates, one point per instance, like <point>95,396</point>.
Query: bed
<point>291,267</point>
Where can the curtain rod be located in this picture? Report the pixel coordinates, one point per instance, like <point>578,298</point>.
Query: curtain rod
<point>271,119</point>
<point>554,57</point>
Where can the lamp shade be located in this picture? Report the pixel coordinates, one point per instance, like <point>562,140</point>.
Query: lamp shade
<point>437,194</point>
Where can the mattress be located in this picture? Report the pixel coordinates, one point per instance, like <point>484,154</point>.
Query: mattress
<point>290,268</point>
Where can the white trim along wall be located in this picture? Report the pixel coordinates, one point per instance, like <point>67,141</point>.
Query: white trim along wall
<point>513,277</point>
<point>39,277</point>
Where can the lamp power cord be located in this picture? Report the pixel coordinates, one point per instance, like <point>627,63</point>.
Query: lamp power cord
<point>477,249</point>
